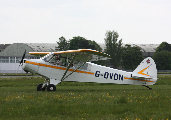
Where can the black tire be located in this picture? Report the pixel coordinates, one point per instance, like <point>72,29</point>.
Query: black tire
<point>39,87</point>
<point>43,89</point>
<point>51,87</point>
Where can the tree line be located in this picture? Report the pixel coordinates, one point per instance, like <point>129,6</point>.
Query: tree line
<point>127,57</point>
<point>162,56</point>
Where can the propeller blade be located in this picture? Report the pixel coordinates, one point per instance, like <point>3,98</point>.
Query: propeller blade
<point>23,57</point>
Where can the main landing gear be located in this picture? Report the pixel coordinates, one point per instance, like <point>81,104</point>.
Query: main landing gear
<point>42,87</point>
<point>50,87</point>
<point>147,87</point>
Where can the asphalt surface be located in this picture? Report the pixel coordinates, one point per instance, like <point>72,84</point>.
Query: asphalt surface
<point>16,76</point>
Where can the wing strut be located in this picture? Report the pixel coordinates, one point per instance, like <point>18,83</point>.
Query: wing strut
<point>68,67</point>
<point>76,69</point>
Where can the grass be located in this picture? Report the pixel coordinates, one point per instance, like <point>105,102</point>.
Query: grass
<point>163,72</point>
<point>79,101</point>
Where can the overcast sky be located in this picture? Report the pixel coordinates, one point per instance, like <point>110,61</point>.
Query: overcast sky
<point>44,21</point>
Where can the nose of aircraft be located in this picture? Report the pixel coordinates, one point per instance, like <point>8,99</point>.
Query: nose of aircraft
<point>24,66</point>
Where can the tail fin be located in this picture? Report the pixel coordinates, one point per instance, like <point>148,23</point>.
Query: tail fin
<point>147,68</point>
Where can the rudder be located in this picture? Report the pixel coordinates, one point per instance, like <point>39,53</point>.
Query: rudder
<point>147,68</point>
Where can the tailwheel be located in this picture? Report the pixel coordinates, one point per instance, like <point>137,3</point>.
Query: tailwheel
<point>51,87</point>
<point>147,87</point>
<point>39,87</point>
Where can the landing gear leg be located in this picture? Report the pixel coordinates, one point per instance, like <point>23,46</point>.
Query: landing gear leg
<point>46,82</point>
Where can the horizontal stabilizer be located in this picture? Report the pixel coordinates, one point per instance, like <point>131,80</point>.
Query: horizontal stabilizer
<point>141,77</point>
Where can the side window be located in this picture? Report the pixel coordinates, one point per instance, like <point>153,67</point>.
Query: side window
<point>56,60</point>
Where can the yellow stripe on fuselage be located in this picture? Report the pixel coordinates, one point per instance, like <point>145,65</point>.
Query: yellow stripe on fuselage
<point>56,67</point>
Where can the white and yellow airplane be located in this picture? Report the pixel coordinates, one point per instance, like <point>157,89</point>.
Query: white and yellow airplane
<point>73,65</point>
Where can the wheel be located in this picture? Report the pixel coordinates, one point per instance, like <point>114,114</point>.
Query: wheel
<point>39,87</point>
<point>51,87</point>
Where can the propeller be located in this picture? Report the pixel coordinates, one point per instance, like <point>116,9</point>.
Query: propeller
<point>23,57</point>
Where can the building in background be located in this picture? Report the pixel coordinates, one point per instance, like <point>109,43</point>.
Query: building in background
<point>11,55</point>
<point>3,46</point>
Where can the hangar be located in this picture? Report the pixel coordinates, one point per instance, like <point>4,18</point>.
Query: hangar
<point>11,55</point>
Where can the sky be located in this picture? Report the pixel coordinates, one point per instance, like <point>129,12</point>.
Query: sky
<point>45,21</point>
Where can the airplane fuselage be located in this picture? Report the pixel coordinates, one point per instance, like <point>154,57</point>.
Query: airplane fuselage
<point>93,73</point>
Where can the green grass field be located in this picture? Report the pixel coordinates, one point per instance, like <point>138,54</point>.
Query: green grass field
<point>79,101</point>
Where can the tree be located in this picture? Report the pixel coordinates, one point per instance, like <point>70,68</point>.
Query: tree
<point>82,43</point>
<point>113,48</point>
<point>62,44</point>
<point>162,60</point>
<point>162,56</point>
<point>163,46</point>
<point>131,57</point>
<point>78,43</point>
<point>94,45</point>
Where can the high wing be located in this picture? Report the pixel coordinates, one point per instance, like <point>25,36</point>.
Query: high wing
<point>73,51</point>
<point>81,54</point>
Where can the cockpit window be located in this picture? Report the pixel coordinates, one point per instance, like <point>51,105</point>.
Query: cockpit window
<point>48,57</point>
<point>54,59</point>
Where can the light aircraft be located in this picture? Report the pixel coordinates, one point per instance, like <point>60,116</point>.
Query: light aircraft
<point>73,65</point>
